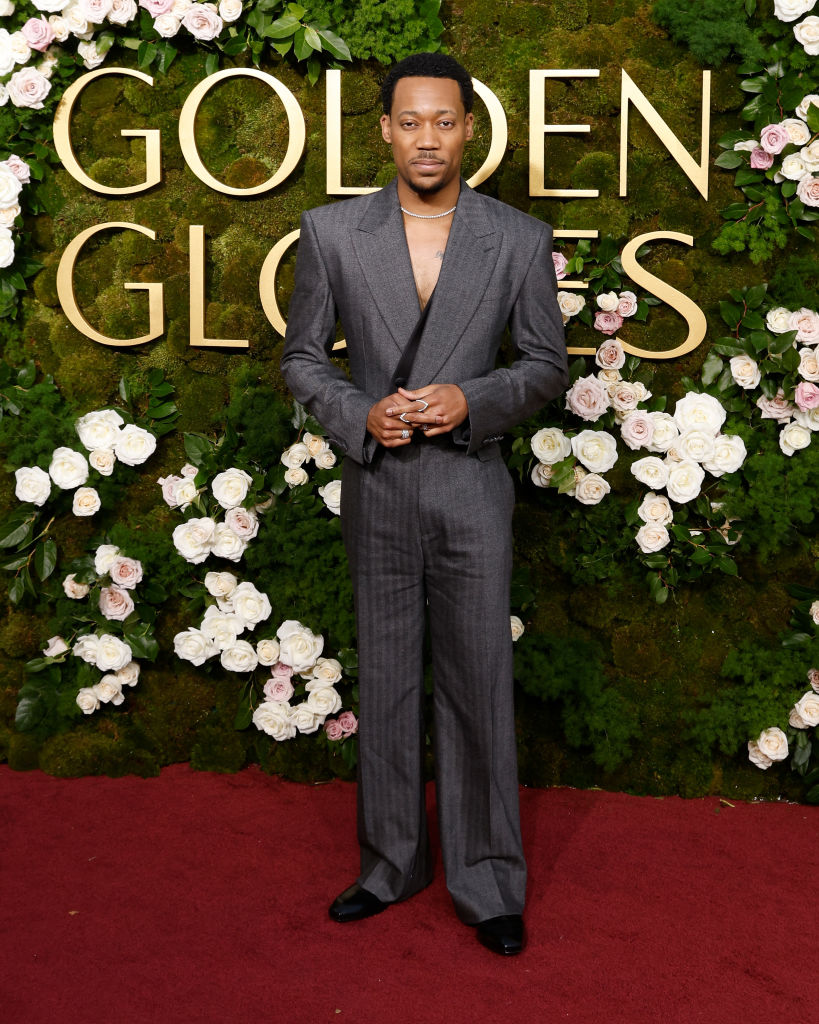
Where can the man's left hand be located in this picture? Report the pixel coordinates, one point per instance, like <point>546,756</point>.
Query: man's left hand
<point>446,408</point>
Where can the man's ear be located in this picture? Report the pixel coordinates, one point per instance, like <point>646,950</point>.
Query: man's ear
<point>386,128</point>
<point>469,123</point>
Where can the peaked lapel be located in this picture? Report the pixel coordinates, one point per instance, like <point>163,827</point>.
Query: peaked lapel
<point>471,254</point>
<point>381,247</point>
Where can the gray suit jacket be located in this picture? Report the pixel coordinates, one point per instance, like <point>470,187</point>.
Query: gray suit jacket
<point>353,264</point>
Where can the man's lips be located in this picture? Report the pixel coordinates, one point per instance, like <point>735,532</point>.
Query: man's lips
<point>426,162</point>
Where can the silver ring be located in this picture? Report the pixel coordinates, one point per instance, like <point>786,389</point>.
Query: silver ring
<point>405,434</point>
<point>401,417</point>
<point>424,405</point>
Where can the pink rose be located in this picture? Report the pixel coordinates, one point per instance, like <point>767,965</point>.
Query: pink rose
<point>348,722</point>
<point>38,33</point>
<point>560,262</point>
<point>813,678</point>
<point>806,324</point>
<point>125,572</point>
<point>808,190</point>
<point>202,21</point>
<point>608,323</point>
<point>281,671</point>
<point>156,7</point>
<point>806,396</point>
<point>168,485</point>
<point>333,729</point>
<point>242,522</point>
<point>774,138</point>
<point>19,168</point>
<point>761,159</point>
<point>587,398</point>
<point>777,408</point>
<point>637,429</point>
<point>627,304</point>
<point>610,355</point>
<point>116,603</point>
<point>278,690</point>
<point>188,470</point>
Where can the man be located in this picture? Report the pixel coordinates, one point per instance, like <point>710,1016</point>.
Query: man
<point>427,500</point>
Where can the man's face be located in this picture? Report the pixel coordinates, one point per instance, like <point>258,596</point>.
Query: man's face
<point>427,129</point>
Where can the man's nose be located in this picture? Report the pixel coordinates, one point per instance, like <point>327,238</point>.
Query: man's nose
<point>427,138</point>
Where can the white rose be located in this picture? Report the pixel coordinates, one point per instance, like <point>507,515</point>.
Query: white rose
<point>20,48</point>
<point>814,612</point>
<point>627,304</point>
<point>250,604</point>
<point>773,743</point>
<point>517,627</point>
<point>778,320</point>
<point>807,33</point>
<point>591,489</point>
<point>806,324</point>
<point>193,539</point>
<point>570,304</point>
<point>87,700</point>
<point>807,418</point>
<point>50,6</point>
<point>6,53</point>
<point>274,719</point>
<point>807,189</point>
<point>32,484</point>
<point>651,471</point>
<point>104,558</point>
<point>226,544</point>
<point>6,247</point>
<point>109,690</point>
<point>325,459</point>
<point>243,522</point>
<point>230,10</point>
<point>267,651</point>
<point>112,653</point>
<point>230,488</point>
<point>656,509</point>
<point>220,584</point>
<point>192,645</point>
<point>637,429</point>
<point>550,445</point>
<point>296,477</point>
<point>325,672</point>
<point>626,395</point>
<point>323,702</point>
<point>315,443</point>
<point>125,572</point>
<point>810,156</point>
<point>699,410</point>
<point>86,648</point>
<point>697,445</point>
<point>807,707</point>
<point>331,495</point>
<point>184,491</point>
<point>10,186</point>
<point>167,25</point>
<point>222,628</point>
<point>596,449</point>
<point>241,657</point>
<point>86,502</point>
<point>129,675</point>
<point>202,21</point>
<point>796,721</point>
<point>102,460</point>
<point>6,8</point>
<point>95,11</point>
<point>607,377</point>
<point>542,474</point>
<point>798,131</point>
<point>68,468</point>
<point>299,648</point>
<point>134,445</point>
<point>684,481</point>
<point>60,27</point>
<point>745,371</point>
<point>608,301</point>
<point>793,437</point>
<point>296,455</point>
<point>28,88</point>
<point>729,454</point>
<point>305,720</point>
<point>804,105</point>
<point>790,10</point>
<point>122,11</point>
<point>652,537</point>
<point>76,591</point>
<point>55,647</point>
<point>755,756</point>
<point>8,215</point>
<point>77,22</point>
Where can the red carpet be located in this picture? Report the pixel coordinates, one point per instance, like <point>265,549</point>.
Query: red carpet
<point>202,898</point>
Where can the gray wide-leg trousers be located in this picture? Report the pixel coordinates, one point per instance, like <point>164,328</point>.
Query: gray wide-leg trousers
<point>428,533</point>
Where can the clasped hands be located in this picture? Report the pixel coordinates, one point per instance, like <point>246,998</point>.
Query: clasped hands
<point>434,409</point>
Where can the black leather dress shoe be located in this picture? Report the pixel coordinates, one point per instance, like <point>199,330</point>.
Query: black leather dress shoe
<point>504,935</point>
<point>355,903</point>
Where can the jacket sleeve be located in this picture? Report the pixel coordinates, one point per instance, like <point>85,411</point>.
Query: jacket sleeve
<point>315,381</point>
<point>502,398</point>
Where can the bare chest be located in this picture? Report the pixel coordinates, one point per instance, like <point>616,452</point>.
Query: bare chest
<point>427,243</point>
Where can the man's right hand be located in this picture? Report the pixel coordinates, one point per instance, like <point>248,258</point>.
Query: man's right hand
<point>385,426</point>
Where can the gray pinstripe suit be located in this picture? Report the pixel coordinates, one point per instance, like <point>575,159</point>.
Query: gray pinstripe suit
<point>428,526</point>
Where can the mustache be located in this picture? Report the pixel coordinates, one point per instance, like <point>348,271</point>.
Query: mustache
<point>426,157</point>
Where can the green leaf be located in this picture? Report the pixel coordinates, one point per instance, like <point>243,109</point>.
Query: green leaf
<point>780,343</point>
<point>166,57</point>
<point>727,565</point>
<point>730,312</point>
<point>754,85</point>
<point>283,27</point>
<point>16,563</point>
<point>301,48</point>
<point>197,448</point>
<point>142,646</point>
<point>159,412</point>
<point>755,295</point>
<point>30,710</point>
<point>26,375</point>
<point>712,368</point>
<point>234,46</point>
<point>312,38</point>
<point>125,390</point>
<point>146,53</point>
<point>45,558</point>
<point>313,70</point>
<point>14,532</point>
<point>334,45</point>
<point>17,588</point>
<point>244,716</point>
<point>745,176</point>
<point>211,64</point>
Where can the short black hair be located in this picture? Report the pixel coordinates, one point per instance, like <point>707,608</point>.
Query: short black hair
<point>427,65</point>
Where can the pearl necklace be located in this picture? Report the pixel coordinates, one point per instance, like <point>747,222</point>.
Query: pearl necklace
<point>429,216</point>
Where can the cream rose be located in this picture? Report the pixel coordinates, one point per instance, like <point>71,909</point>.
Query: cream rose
<point>167,25</point>
<point>807,33</point>
<point>755,756</point>
<point>10,186</point>
<point>60,28</point>
<point>304,719</point>
<point>102,460</point>
<point>230,488</point>
<point>626,395</point>
<point>192,645</point>
<point>125,572</point>
<point>226,544</point>
<point>542,474</point>
<point>122,11</point>
<point>793,167</point>
<point>6,247</point>
<point>296,455</point>
<point>807,707</point>
<point>129,675</point>
<point>745,372</point>
<point>790,10</point>
<point>194,538</point>
<point>550,445</point>
<point>68,468</point>
<point>32,484</point>
<point>773,743</point>
<point>296,477</point>
<point>274,719</point>
<point>76,591</point>
<point>651,471</point>
<point>607,301</point>
<point>570,304</point>
<point>8,215</point>
<point>87,648</point>
<point>587,398</point>
<point>87,700</point>
<point>798,131</point>
<point>702,411</point>
<point>250,604</point>
<point>267,651</point>
<point>55,647</point>
<point>806,324</point>
<point>325,459</point>
<point>652,537</point>
<point>91,54</point>
<point>793,437</point>
<point>323,702</point>
<point>665,433</point>
<point>330,494</point>
<point>656,510</point>
<point>807,418</point>
<point>134,445</point>
<point>596,449</point>
<point>230,10</point>
<point>299,647</point>
<point>20,47</point>
<point>684,481</point>
<point>220,584</point>
<point>223,628</point>
<point>28,88</point>
<point>104,558</point>
<point>517,627</point>
<point>808,190</point>
<point>86,502</point>
<point>697,445</point>
<point>240,657</point>
<point>591,489</point>
<point>778,320</point>
<point>325,672</point>
<point>112,653</point>
<point>729,454</point>
<point>109,690</point>
<point>184,492</point>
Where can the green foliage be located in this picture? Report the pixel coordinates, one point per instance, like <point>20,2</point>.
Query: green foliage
<point>714,31</point>
<point>34,417</point>
<point>386,30</point>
